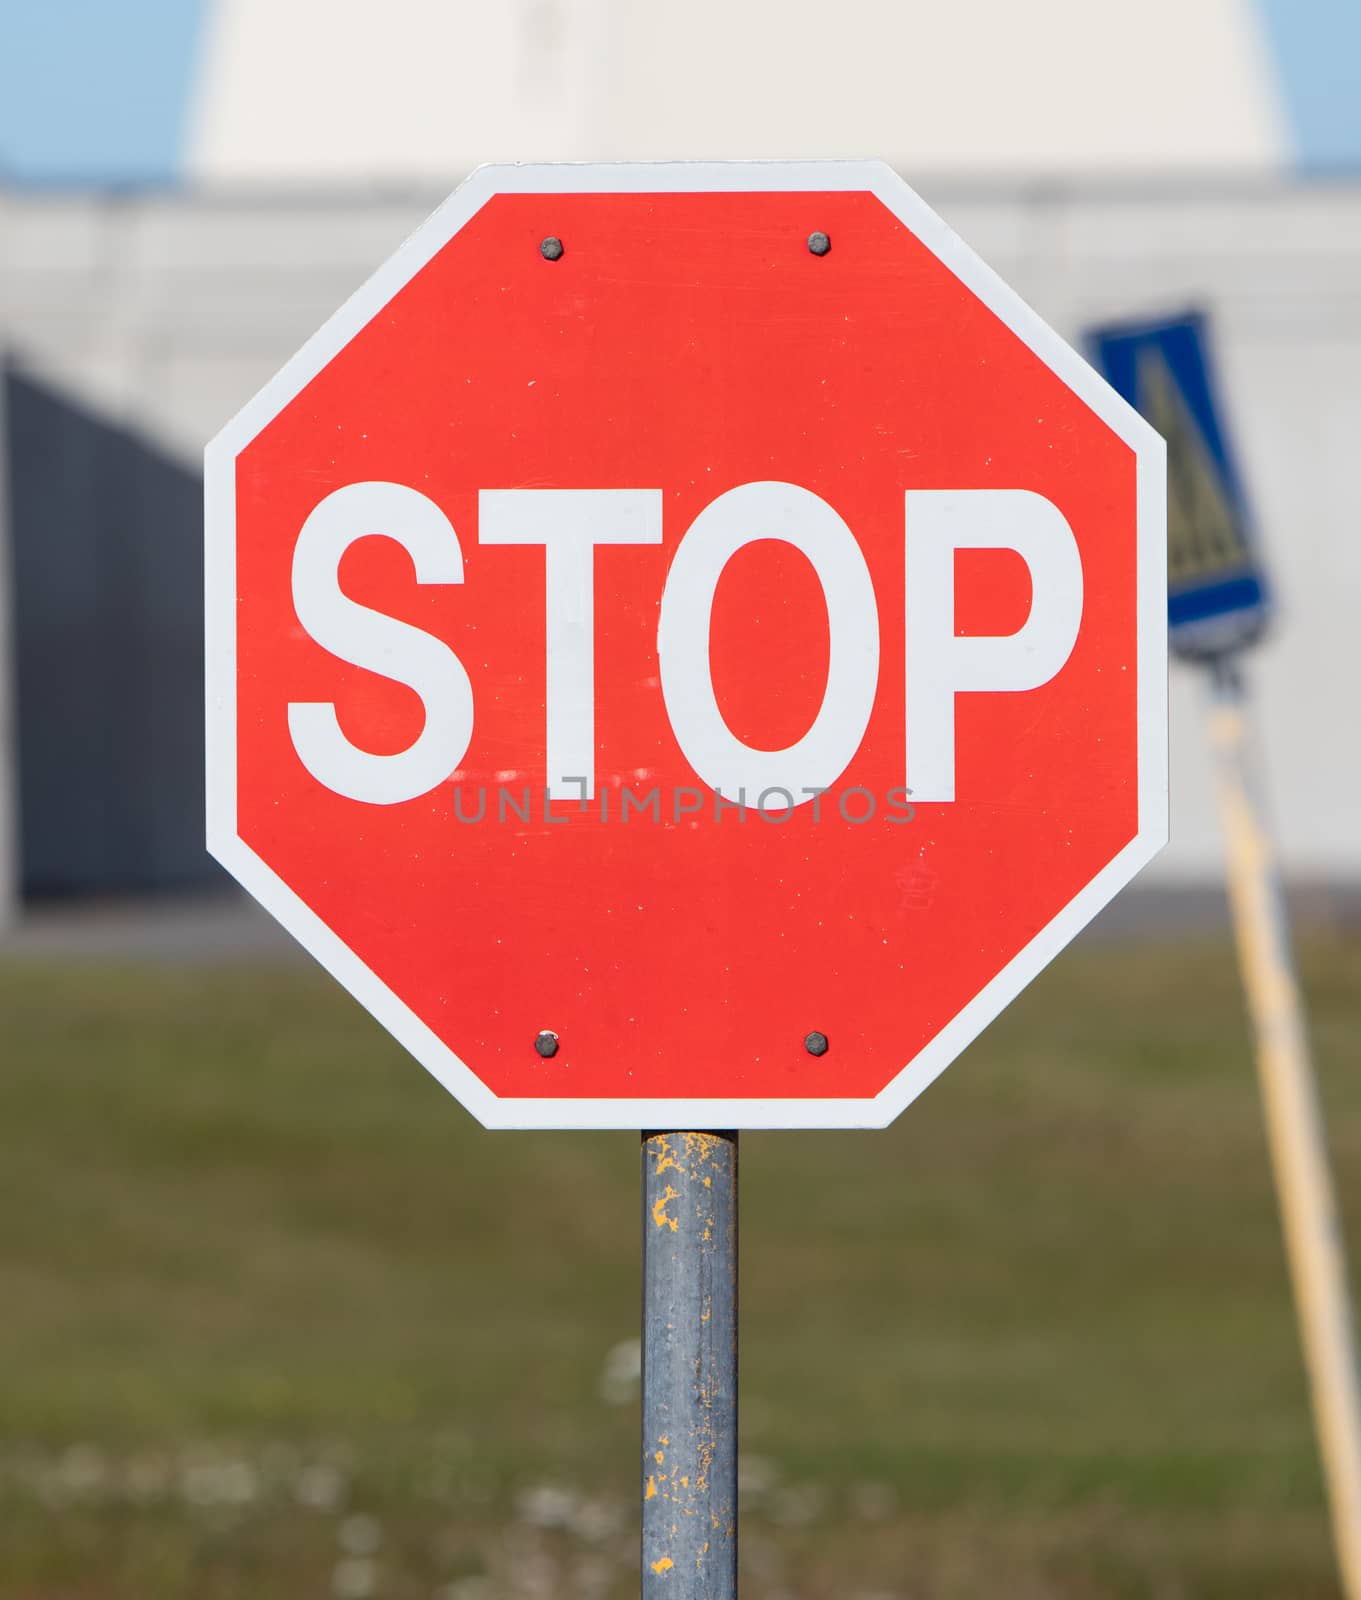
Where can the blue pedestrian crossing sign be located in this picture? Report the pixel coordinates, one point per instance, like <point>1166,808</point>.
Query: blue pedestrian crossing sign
<point>1217,598</point>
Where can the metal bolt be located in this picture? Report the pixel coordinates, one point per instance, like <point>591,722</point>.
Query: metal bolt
<point>546,1043</point>
<point>819,244</point>
<point>551,248</point>
<point>816,1044</point>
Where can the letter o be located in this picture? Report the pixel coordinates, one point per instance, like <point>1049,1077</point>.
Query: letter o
<point>742,516</point>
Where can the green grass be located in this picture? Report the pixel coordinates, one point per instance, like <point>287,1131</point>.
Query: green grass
<point>261,1281</point>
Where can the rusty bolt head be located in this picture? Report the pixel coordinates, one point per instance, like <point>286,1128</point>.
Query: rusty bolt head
<point>551,248</point>
<point>819,243</point>
<point>546,1043</point>
<point>815,1044</point>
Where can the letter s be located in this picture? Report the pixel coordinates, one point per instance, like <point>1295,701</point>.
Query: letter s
<point>379,643</point>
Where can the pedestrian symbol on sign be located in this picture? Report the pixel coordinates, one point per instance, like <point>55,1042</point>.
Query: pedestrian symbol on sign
<point>1216,591</point>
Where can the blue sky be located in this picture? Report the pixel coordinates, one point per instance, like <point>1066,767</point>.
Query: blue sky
<point>95,91</point>
<point>1316,48</point>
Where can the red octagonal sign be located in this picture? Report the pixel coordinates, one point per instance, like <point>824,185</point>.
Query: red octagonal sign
<point>686,645</point>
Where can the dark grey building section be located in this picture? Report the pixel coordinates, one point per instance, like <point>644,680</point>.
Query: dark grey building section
<point>107,544</point>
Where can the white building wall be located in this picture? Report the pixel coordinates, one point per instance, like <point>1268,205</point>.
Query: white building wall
<point>170,312</point>
<point>344,90</point>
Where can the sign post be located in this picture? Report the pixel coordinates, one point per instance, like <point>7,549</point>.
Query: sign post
<point>1294,1121</point>
<point>1218,604</point>
<point>686,647</point>
<point>689,1416</point>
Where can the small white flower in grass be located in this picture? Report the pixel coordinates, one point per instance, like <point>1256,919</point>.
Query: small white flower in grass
<point>756,1475</point>
<point>320,1486</point>
<point>466,1589</point>
<point>873,1502</point>
<point>354,1578</point>
<point>797,1506</point>
<point>621,1373</point>
<point>360,1535</point>
<point>596,1520</point>
<point>81,1471</point>
<point>219,1483</point>
<point>198,1484</point>
<point>546,1506</point>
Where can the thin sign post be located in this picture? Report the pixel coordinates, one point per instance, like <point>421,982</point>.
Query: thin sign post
<point>1218,604</point>
<point>689,1409</point>
<point>1294,1120</point>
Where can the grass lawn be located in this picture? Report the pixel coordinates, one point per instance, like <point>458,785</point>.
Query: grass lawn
<point>278,1320</point>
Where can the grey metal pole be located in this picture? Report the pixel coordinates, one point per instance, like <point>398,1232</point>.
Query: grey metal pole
<point>689,1478</point>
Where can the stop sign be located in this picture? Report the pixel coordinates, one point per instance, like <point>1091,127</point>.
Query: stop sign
<point>686,645</point>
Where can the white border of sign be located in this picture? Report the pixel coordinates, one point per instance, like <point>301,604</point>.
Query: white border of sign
<point>220,603</point>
